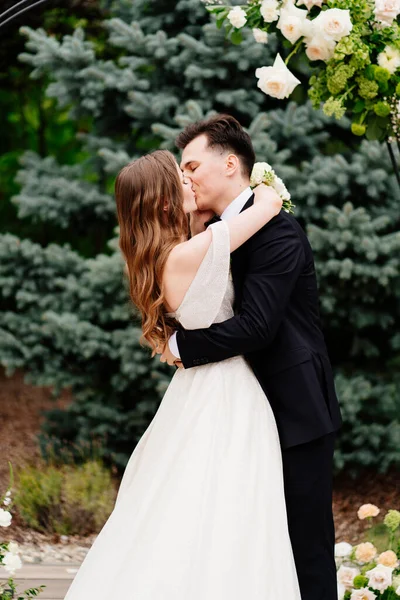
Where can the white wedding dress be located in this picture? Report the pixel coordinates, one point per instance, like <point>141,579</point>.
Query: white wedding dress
<point>200,514</point>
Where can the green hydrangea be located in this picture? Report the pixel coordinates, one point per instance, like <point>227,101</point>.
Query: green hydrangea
<point>360,581</point>
<point>338,77</point>
<point>382,109</point>
<point>398,89</point>
<point>334,107</point>
<point>367,89</point>
<point>381,74</point>
<point>358,128</point>
<point>317,91</point>
<point>392,519</point>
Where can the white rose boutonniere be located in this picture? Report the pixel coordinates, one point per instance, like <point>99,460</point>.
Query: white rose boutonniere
<point>263,173</point>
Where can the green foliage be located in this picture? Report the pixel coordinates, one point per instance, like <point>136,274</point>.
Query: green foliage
<point>66,500</point>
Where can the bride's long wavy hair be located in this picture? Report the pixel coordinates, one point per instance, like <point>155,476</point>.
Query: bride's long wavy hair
<point>148,233</point>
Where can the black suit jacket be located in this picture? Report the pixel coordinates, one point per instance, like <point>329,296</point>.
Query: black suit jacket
<point>277,328</point>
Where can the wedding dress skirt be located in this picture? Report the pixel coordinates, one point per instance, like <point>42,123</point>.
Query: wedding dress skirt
<point>200,513</point>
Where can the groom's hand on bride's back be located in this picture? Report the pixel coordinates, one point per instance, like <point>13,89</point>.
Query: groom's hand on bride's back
<point>168,357</point>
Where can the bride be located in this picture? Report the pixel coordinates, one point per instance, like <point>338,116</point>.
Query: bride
<point>200,513</point>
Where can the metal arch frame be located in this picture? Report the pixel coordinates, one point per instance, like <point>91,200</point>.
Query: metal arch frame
<point>19,12</point>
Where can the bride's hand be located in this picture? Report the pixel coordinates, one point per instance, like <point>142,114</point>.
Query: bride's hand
<point>197,220</point>
<point>266,193</point>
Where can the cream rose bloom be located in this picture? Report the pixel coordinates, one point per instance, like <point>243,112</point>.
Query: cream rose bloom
<point>276,81</point>
<point>388,559</point>
<point>258,173</point>
<point>333,24</point>
<point>380,578</point>
<point>13,547</point>
<point>310,3</point>
<point>345,576</point>
<point>368,510</point>
<point>237,17</point>
<point>293,22</point>
<point>341,590</point>
<point>269,10</point>
<point>365,552</point>
<point>319,48</point>
<point>11,562</point>
<point>362,594</point>
<point>343,549</point>
<point>398,591</point>
<point>389,59</point>
<point>260,36</point>
<point>386,11</point>
<point>5,518</point>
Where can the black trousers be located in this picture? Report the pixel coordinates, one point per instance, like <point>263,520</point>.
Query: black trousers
<point>307,471</point>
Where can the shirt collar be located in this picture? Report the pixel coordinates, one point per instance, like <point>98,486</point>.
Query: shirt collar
<point>234,208</point>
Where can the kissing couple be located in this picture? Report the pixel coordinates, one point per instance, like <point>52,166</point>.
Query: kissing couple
<point>228,494</point>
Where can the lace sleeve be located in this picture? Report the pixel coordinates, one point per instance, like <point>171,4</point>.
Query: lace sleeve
<point>205,295</point>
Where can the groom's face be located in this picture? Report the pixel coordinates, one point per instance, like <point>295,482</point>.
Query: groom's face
<point>206,169</point>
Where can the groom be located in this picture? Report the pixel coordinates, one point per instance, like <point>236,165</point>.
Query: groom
<point>277,328</point>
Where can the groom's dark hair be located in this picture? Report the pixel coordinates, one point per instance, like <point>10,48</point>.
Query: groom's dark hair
<point>225,132</point>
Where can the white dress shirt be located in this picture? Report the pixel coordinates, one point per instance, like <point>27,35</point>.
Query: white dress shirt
<point>232,210</point>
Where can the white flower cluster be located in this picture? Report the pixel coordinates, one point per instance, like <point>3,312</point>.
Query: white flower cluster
<point>320,36</point>
<point>11,560</point>
<point>350,559</point>
<point>263,173</point>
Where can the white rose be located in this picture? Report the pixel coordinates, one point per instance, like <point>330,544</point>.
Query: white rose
<point>386,11</point>
<point>11,562</point>
<point>362,594</point>
<point>343,549</point>
<point>341,591</point>
<point>258,173</point>
<point>260,36</point>
<point>398,591</point>
<point>333,24</point>
<point>293,22</point>
<point>276,81</point>
<point>280,187</point>
<point>13,547</point>
<point>389,59</point>
<point>5,518</point>
<point>319,48</point>
<point>345,576</point>
<point>291,27</point>
<point>269,10</point>
<point>310,3</point>
<point>237,17</point>
<point>380,577</point>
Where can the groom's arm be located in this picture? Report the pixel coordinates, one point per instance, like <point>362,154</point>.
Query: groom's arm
<point>275,261</point>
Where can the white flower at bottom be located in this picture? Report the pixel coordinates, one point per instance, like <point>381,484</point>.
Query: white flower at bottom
<point>5,518</point>
<point>398,591</point>
<point>13,547</point>
<point>276,81</point>
<point>310,3</point>
<point>341,591</point>
<point>343,549</point>
<point>345,576</point>
<point>380,577</point>
<point>237,17</point>
<point>11,562</point>
<point>362,594</point>
<point>389,59</point>
<point>260,36</point>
